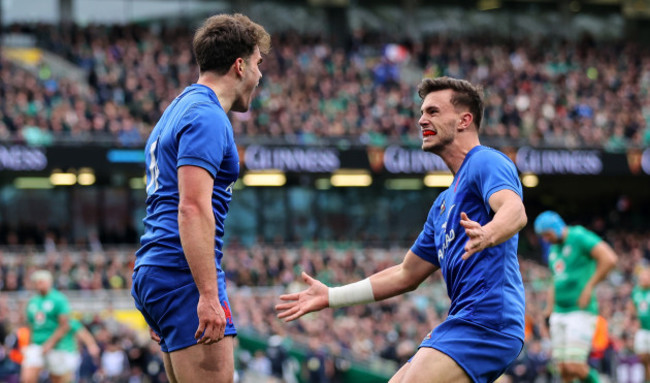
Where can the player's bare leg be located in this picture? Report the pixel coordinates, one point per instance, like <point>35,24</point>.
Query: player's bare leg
<point>59,378</point>
<point>578,370</point>
<point>645,359</point>
<point>431,366</point>
<point>204,363</point>
<point>169,369</point>
<point>29,374</point>
<point>564,373</point>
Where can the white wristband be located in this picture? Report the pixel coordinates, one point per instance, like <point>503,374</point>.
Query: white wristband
<point>351,294</point>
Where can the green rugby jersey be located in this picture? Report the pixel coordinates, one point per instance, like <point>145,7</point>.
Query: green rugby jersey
<point>43,317</point>
<point>641,299</point>
<point>69,341</point>
<point>572,266</point>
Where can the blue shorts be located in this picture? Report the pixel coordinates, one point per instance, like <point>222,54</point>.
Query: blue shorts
<point>483,353</point>
<point>167,298</point>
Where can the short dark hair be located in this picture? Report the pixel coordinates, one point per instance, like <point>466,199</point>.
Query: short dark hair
<point>222,39</point>
<point>465,94</point>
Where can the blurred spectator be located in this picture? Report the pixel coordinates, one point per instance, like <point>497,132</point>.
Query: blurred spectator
<point>114,362</point>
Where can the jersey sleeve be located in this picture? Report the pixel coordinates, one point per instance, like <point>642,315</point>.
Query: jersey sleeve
<point>62,305</point>
<point>425,245</point>
<point>588,239</point>
<point>75,325</point>
<point>203,138</point>
<point>494,172</point>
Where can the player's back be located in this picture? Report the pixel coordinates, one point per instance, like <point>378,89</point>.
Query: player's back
<point>193,130</point>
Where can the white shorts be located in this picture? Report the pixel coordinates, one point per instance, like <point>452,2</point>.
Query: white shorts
<point>571,335</point>
<point>642,342</point>
<point>57,362</point>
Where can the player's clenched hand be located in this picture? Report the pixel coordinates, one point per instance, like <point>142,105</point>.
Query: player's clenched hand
<point>212,321</point>
<point>478,237</point>
<point>315,298</point>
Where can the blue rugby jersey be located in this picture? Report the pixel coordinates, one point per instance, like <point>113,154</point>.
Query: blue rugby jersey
<point>193,130</point>
<point>487,289</point>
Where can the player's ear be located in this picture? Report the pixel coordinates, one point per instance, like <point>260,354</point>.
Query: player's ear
<point>240,66</point>
<point>465,120</point>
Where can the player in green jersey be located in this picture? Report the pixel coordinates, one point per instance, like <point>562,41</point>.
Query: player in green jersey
<point>79,333</point>
<point>579,260</point>
<point>640,305</point>
<point>47,317</point>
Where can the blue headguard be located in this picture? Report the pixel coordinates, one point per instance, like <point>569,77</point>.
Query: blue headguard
<point>549,221</point>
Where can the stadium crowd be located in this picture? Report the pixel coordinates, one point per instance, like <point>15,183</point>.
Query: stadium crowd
<point>575,94</point>
<point>571,95</point>
<point>376,333</point>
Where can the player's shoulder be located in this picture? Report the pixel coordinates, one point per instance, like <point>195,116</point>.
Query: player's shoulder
<point>57,295</point>
<point>201,100</point>
<point>583,235</point>
<point>487,155</point>
<point>579,230</point>
<point>440,198</point>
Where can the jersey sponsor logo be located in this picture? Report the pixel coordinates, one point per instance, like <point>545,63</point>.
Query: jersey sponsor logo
<point>449,237</point>
<point>559,267</point>
<point>442,207</point>
<point>449,212</point>
<point>48,306</point>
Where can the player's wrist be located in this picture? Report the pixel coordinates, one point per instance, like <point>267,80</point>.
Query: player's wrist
<point>351,294</point>
<point>490,235</point>
<point>209,294</point>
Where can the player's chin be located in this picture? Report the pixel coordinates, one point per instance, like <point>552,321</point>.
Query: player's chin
<point>240,107</point>
<point>428,147</point>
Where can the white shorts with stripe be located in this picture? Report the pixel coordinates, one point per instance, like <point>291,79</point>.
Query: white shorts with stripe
<point>571,335</point>
<point>57,362</point>
<point>642,342</point>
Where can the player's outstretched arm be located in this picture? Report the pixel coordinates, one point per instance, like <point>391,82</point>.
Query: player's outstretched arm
<point>387,283</point>
<point>298,304</point>
<point>89,341</point>
<point>509,218</point>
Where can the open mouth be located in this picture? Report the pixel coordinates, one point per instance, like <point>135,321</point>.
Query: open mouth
<point>428,133</point>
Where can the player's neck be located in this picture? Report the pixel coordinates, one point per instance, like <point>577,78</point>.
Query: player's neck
<point>222,86</point>
<point>454,154</point>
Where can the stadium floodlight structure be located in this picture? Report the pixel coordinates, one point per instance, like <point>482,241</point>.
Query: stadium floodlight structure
<point>403,184</point>
<point>438,180</point>
<point>58,178</point>
<point>529,180</point>
<point>265,178</point>
<point>351,178</point>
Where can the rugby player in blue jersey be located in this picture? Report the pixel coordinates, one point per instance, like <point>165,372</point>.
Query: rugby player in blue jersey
<point>192,164</point>
<point>470,235</point>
